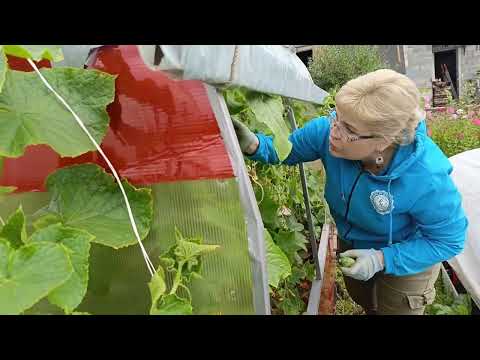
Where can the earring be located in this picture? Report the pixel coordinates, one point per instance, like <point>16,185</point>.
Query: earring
<point>379,161</point>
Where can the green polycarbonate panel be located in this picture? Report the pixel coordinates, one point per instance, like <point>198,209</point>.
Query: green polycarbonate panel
<point>207,208</point>
<point>211,209</point>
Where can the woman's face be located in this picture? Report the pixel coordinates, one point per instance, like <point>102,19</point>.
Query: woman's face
<point>349,139</point>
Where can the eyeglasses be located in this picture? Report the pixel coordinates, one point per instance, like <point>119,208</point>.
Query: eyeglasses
<point>344,132</point>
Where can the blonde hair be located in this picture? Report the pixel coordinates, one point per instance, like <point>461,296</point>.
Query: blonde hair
<point>387,103</point>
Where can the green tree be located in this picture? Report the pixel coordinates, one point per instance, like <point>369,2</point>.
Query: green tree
<point>333,65</point>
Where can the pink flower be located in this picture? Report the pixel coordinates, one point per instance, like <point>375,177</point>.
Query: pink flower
<point>476,122</point>
<point>451,110</point>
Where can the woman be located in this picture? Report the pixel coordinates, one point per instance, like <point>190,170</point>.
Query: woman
<point>388,187</point>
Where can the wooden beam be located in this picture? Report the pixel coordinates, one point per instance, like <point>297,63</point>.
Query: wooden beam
<point>304,48</point>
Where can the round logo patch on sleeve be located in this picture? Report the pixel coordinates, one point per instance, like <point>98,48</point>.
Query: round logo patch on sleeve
<point>382,201</point>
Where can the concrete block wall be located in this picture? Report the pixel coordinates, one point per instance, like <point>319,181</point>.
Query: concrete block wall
<point>470,62</point>
<point>419,64</point>
<point>393,56</point>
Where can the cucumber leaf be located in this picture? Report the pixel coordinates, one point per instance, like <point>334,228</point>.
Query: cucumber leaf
<point>46,220</point>
<point>183,259</point>
<point>30,273</point>
<point>291,242</point>
<point>278,266</point>
<point>15,230</point>
<point>269,111</point>
<point>185,255</point>
<point>262,113</point>
<point>86,197</point>
<point>30,114</point>
<point>35,52</point>
<point>157,288</point>
<point>171,304</point>
<point>235,100</point>
<point>269,211</point>
<point>69,295</point>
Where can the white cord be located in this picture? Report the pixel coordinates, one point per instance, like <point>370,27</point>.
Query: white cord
<point>150,266</point>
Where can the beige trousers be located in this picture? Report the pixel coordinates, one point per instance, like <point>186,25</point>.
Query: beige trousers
<point>393,295</point>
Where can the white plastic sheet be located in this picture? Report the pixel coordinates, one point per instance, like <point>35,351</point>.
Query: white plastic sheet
<point>466,175</point>
<point>273,69</point>
<point>75,55</point>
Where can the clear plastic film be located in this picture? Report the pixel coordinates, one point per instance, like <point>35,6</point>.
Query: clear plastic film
<point>466,170</point>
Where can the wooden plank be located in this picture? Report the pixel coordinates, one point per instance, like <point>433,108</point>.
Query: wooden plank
<point>315,291</point>
<point>447,74</point>
<point>327,296</point>
<point>302,48</point>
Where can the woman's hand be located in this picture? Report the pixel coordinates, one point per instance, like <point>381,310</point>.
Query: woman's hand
<point>247,139</point>
<point>367,263</point>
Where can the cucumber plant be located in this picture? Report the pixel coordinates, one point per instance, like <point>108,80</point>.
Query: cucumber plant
<point>279,195</point>
<point>50,259</point>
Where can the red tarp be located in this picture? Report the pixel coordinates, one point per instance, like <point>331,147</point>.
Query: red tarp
<point>160,130</point>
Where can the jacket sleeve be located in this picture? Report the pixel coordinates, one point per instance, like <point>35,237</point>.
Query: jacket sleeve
<point>441,224</point>
<point>308,144</point>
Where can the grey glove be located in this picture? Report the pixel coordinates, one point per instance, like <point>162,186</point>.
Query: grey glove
<point>246,138</point>
<point>367,263</point>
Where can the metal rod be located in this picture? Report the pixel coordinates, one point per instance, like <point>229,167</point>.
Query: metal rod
<point>306,199</point>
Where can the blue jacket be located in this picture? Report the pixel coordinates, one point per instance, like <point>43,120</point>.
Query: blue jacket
<point>412,211</point>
